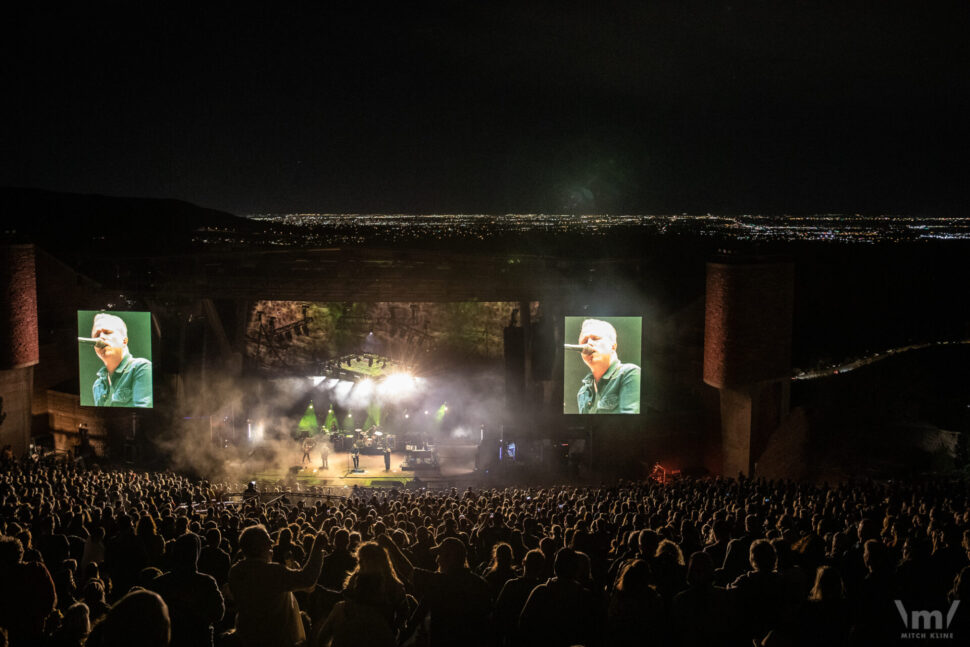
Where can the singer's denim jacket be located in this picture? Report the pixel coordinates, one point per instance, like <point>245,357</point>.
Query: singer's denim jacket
<point>129,386</point>
<point>618,391</point>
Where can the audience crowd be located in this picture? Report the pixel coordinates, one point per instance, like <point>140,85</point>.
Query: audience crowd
<point>107,558</point>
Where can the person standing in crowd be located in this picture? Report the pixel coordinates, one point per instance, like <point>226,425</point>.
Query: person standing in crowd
<point>194,602</point>
<point>561,612</point>
<point>456,601</point>
<point>760,593</point>
<point>339,563</point>
<point>701,614</point>
<point>139,618</point>
<point>27,594</point>
<point>513,596</point>
<point>374,608</point>
<point>213,560</point>
<point>267,614</point>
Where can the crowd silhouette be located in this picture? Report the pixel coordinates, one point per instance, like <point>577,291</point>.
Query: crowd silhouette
<point>105,558</point>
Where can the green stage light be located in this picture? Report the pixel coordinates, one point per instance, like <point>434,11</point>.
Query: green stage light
<point>308,422</point>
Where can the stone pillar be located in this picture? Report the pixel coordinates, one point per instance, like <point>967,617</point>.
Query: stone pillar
<point>747,352</point>
<point>19,349</point>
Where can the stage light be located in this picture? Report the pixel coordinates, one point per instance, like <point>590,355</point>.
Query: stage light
<point>362,394</point>
<point>341,391</point>
<point>396,386</point>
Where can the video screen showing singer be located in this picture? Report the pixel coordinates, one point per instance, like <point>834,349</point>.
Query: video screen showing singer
<point>610,386</point>
<point>121,380</point>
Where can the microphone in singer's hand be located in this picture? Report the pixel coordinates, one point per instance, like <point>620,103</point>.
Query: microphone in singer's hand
<point>94,341</point>
<point>583,348</point>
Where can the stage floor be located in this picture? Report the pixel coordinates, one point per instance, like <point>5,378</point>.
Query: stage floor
<point>456,463</point>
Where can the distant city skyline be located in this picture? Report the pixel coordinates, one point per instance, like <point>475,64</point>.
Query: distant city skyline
<point>332,228</point>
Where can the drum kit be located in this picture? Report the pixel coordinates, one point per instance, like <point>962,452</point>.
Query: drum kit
<point>374,440</point>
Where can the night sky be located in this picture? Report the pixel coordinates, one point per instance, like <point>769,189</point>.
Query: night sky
<point>495,107</point>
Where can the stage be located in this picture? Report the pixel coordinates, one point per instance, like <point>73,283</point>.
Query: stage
<point>456,467</point>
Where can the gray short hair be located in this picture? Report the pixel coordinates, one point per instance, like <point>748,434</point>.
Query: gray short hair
<point>120,325</point>
<point>604,324</point>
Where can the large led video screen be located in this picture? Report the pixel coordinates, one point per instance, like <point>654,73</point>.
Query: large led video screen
<point>115,358</point>
<point>601,369</point>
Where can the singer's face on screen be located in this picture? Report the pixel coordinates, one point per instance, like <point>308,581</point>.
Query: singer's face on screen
<point>603,342</point>
<point>113,332</point>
